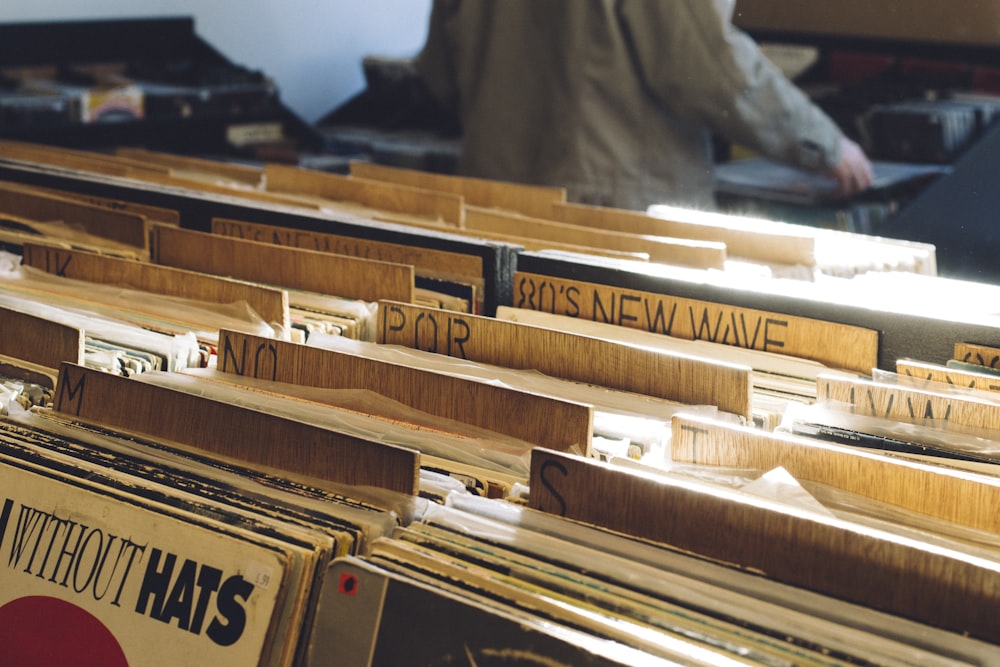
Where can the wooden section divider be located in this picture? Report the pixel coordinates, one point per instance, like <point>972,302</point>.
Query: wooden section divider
<point>39,341</point>
<point>946,493</point>
<point>935,585</point>
<point>541,420</point>
<point>680,252</point>
<point>28,202</point>
<point>269,303</point>
<point>838,346</point>
<point>242,173</point>
<point>233,432</point>
<point>787,246</point>
<point>282,266</point>
<point>375,194</point>
<point>632,368</point>
<point>426,261</point>
<point>153,214</point>
<point>531,200</point>
<point>982,355</point>
<point>957,377</point>
<point>534,244</point>
<point>909,403</point>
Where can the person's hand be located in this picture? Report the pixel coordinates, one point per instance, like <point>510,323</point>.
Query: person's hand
<point>854,172</point>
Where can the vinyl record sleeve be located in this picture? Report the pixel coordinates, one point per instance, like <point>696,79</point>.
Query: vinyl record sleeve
<point>159,583</point>
<point>375,617</point>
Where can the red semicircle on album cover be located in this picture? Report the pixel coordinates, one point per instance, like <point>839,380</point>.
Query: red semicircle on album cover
<point>40,631</point>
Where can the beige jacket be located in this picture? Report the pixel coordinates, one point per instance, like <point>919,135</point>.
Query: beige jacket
<point>613,99</point>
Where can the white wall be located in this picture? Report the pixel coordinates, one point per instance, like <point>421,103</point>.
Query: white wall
<point>311,48</point>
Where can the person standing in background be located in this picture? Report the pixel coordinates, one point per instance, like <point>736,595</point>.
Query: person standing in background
<point>617,100</point>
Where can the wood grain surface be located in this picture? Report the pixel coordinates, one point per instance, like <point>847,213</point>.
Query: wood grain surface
<point>941,587</point>
<point>533,200</point>
<point>675,377</point>
<point>234,432</point>
<point>838,346</point>
<point>679,252</point>
<point>376,194</point>
<point>763,245</point>
<point>39,341</point>
<point>539,420</point>
<point>269,303</point>
<point>908,403</point>
<point>292,268</point>
<point>946,493</point>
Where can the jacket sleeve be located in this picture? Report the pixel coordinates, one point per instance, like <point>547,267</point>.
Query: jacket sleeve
<point>702,68</point>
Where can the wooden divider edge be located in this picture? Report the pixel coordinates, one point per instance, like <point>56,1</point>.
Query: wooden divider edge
<point>29,202</point>
<point>982,355</point>
<point>940,587</point>
<point>908,403</point>
<point>237,172</point>
<point>945,493</point>
<point>839,346</point>
<point>674,377</point>
<point>39,341</point>
<point>283,266</point>
<point>542,420</point>
<point>269,303</point>
<point>533,200</point>
<point>679,252</point>
<point>376,194</point>
<point>951,376</point>
<point>763,245</point>
<point>236,433</point>
<point>153,214</point>
<point>424,260</point>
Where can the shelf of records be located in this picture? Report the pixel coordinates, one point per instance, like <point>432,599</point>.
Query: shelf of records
<point>257,415</point>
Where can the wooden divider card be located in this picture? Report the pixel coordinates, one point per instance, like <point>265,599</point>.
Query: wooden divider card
<point>289,267</point>
<point>427,262</point>
<point>269,303</point>
<point>970,377</point>
<point>537,419</point>
<point>946,493</point>
<point>127,228</point>
<point>666,250</point>
<point>39,341</point>
<point>838,346</point>
<point>910,403</point>
<point>981,355</point>
<point>580,358</point>
<point>375,194</point>
<point>764,242</point>
<point>530,200</point>
<point>230,431</point>
<point>931,584</point>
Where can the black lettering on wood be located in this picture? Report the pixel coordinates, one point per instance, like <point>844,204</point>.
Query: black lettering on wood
<point>550,289</point>
<point>572,299</point>
<point>695,434</point>
<point>398,316</point>
<point>431,326</point>
<point>231,363</point>
<point>265,361</point>
<point>770,340</point>
<point>748,342</point>
<point>657,322</point>
<point>459,333</point>
<point>599,306</point>
<point>70,393</point>
<point>543,473</point>
<point>622,316</point>
<point>526,293</point>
